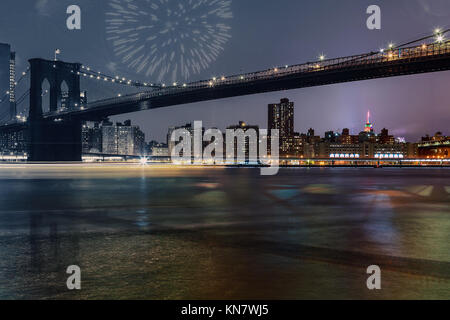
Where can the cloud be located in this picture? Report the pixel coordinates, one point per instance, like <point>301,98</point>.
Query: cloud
<point>42,7</point>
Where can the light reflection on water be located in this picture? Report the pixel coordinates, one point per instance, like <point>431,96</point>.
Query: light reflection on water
<point>191,233</point>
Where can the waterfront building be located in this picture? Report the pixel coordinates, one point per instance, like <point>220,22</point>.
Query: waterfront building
<point>436,147</point>
<point>92,137</point>
<point>122,139</point>
<point>156,149</point>
<point>385,138</point>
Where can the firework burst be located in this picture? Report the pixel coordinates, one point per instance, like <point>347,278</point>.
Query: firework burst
<point>168,39</point>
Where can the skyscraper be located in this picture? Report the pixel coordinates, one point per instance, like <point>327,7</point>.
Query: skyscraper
<point>7,83</point>
<point>281,117</point>
<point>369,126</point>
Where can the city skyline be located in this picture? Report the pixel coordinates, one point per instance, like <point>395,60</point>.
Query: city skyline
<point>404,99</point>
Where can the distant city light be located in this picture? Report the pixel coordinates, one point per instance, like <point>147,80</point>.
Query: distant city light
<point>440,38</point>
<point>143,161</point>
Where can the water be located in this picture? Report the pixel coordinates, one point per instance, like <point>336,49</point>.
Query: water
<point>160,232</point>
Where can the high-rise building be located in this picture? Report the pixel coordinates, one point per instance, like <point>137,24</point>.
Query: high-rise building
<point>368,135</point>
<point>369,126</point>
<point>7,82</point>
<point>281,117</point>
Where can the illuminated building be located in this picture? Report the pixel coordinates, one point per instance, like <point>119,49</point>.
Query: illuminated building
<point>14,142</point>
<point>7,81</point>
<point>347,138</point>
<point>122,139</point>
<point>156,149</point>
<point>369,126</point>
<point>281,117</point>
<point>368,135</point>
<point>436,147</point>
<point>385,138</point>
<point>92,137</point>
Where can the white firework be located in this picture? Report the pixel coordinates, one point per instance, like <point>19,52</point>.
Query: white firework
<point>168,39</point>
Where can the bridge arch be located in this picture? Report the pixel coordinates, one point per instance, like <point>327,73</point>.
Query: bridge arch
<point>45,95</point>
<point>64,95</point>
<point>61,76</point>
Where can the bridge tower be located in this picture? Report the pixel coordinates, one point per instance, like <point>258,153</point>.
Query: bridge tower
<point>51,140</point>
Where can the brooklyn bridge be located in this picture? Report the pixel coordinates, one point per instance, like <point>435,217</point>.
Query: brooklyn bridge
<point>54,133</point>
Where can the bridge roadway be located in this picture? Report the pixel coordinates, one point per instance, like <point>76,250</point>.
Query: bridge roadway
<point>406,61</point>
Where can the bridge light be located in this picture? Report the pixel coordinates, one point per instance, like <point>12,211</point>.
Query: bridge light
<point>322,57</point>
<point>437,30</point>
<point>381,50</point>
<point>391,45</point>
<point>440,38</point>
<point>214,79</point>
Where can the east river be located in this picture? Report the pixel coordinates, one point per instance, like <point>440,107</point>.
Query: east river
<point>162,232</point>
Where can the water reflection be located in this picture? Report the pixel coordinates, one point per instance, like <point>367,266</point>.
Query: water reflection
<point>192,233</point>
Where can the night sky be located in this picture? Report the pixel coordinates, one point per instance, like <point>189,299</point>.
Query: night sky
<point>264,34</point>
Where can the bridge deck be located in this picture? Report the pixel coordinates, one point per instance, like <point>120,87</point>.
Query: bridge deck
<point>411,60</point>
